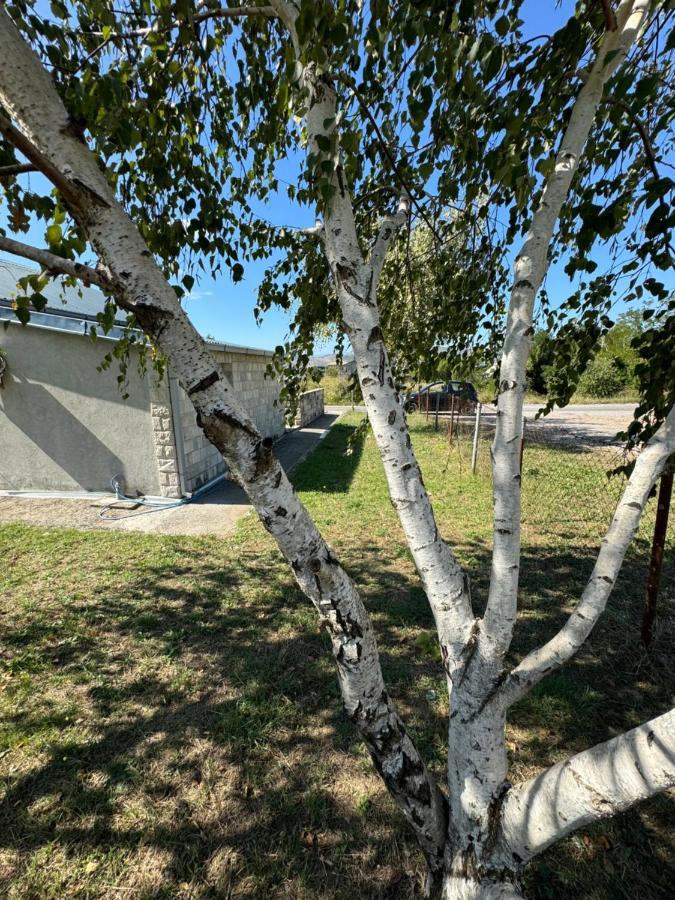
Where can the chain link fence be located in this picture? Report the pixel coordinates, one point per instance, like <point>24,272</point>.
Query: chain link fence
<point>569,482</point>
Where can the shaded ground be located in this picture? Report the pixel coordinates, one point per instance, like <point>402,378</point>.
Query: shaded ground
<point>216,512</point>
<point>171,724</point>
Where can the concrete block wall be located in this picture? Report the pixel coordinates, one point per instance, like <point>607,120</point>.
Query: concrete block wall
<point>245,373</point>
<point>310,407</point>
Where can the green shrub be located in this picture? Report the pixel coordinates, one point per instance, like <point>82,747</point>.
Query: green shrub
<point>602,378</point>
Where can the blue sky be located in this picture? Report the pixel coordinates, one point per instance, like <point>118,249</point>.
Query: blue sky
<point>223,309</point>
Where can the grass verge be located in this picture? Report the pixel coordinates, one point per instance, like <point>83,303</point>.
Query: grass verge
<point>171,725</point>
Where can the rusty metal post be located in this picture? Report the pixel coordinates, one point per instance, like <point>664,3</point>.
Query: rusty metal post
<point>476,434</point>
<point>427,392</point>
<point>452,418</point>
<point>656,561</point>
<point>438,401</point>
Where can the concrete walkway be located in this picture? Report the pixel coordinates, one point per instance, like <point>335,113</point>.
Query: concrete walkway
<point>216,512</point>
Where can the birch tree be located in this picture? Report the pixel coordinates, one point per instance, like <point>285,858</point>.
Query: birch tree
<point>476,831</point>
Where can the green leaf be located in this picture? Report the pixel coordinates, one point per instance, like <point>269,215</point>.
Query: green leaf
<point>237,272</point>
<point>54,234</point>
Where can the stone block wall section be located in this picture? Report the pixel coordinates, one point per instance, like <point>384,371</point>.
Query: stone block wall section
<point>245,370</point>
<point>164,439</point>
<point>310,407</point>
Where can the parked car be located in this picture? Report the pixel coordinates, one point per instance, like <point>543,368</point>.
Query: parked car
<point>463,392</point>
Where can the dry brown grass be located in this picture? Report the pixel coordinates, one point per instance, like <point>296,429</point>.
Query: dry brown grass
<point>172,726</point>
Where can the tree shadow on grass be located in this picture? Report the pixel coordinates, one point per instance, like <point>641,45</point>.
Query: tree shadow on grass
<point>211,735</point>
<point>332,465</point>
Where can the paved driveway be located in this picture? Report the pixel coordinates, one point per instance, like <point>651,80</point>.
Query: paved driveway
<point>594,422</point>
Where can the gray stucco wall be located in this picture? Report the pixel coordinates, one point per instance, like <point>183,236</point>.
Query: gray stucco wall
<point>65,426</point>
<point>246,374</point>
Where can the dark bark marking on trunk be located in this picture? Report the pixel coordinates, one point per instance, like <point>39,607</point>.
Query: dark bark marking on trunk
<point>374,337</point>
<point>469,650</point>
<point>505,386</point>
<point>341,183</point>
<point>380,371</point>
<point>95,198</point>
<point>151,318</point>
<point>369,291</point>
<point>205,383</point>
<point>497,683</point>
<point>391,418</point>
<point>494,817</point>
<point>233,422</point>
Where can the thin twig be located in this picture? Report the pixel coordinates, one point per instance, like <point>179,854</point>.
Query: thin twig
<point>349,82</point>
<point>234,12</point>
<point>641,130</point>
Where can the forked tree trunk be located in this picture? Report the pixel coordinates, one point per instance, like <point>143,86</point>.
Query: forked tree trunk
<point>477,842</point>
<point>466,887</point>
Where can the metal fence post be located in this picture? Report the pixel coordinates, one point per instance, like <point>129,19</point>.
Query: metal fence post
<point>656,562</point>
<point>438,399</point>
<point>476,432</point>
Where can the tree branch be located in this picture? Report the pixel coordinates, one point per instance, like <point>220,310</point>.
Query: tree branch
<point>592,785</point>
<point>141,288</point>
<point>56,265</point>
<point>39,160</point>
<point>388,228</point>
<point>571,637</point>
<point>226,12</point>
<point>529,270</point>
<point>313,230</point>
<point>17,169</point>
<point>641,130</point>
<point>351,84</point>
<point>610,16</point>
<point>445,584</point>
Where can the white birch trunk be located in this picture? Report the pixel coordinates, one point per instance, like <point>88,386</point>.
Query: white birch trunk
<point>475,844</point>
<point>529,270</point>
<point>592,785</point>
<point>28,94</point>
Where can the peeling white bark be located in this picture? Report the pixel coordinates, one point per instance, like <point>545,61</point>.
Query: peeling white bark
<point>592,785</point>
<point>28,94</point>
<point>477,842</point>
<point>356,280</point>
<point>529,270</point>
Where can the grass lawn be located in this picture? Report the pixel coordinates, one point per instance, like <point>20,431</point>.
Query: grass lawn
<point>171,725</point>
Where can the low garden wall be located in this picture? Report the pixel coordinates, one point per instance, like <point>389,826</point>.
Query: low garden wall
<point>310,407</point>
